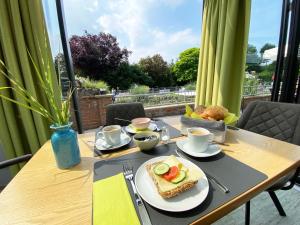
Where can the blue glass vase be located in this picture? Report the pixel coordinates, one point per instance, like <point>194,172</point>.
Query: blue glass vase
<point>65,146</point>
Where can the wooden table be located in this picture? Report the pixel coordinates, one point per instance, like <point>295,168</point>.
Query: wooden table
<point>43,194</point>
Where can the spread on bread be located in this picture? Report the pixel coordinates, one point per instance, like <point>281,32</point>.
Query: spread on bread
<point>171,177</point>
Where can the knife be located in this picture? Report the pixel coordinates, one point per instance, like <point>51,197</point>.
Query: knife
<point>144,214</point>
<point>211,178</point>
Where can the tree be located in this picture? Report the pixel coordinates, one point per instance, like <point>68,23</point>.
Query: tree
<point>266,47</point>
<point>97,56</point>
<point>254,67</point>
<point>251,49</point>
<point>185,69</point>
<point>126,75</point>
<point>157,68</point>
<point>61,70</point>
<point>266,74</point>
<point>60,65</point>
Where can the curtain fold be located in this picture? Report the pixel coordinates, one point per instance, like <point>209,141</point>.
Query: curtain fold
<point>222,58</point>
<point>22,29</point>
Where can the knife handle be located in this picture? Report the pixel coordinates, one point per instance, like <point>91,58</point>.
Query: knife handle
<point>145,219</point>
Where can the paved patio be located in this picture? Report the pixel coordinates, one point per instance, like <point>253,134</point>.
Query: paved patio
<point>263,210</point>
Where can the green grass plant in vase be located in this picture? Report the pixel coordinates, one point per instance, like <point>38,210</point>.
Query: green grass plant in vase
<point>64,139</point>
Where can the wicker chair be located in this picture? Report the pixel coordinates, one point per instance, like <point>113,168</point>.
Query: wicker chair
<point>126,111</point>
<point>277,120</point>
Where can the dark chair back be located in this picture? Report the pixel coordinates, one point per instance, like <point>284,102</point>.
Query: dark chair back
<point>273,119</point>
<point>14,161</point>
<point>127,111</point>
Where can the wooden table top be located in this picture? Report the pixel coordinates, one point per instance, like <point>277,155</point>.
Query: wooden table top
<point>43,194</point>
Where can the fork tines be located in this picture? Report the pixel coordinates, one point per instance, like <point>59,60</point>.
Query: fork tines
<point>127,169</point>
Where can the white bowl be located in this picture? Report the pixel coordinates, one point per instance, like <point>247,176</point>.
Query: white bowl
<point>141,123</point>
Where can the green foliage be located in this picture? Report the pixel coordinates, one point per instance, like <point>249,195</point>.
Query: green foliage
<point>257,68</point>
<point>250,86</point>
<point>139,89</point>
<point>265,76</point>
<point>157,68</point>
<point>185,69</point>
<point>267,72</point>
<point>266,47</point>
<point>128,74</point>
<point>251,49</point>
<point>156,99</point>
<point>87,83</point>
<point>98,56</point>
<point>60,65</point>
<point>59,114</point>
<point>190,86</point>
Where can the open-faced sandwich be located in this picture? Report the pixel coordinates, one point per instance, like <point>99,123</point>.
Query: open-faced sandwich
<point>171,177</point>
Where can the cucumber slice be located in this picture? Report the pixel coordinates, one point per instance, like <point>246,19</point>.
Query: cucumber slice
<point>179,178</point>
<point>161,168</point>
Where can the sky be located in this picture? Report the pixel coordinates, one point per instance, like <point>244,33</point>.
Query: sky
<point>148,27</point>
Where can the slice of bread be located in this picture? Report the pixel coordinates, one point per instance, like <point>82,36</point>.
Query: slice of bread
<point>167,189</point>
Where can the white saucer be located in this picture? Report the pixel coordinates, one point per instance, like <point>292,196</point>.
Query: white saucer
<point>211,150</point>
<point>103,146</point>
<point>131,130</point>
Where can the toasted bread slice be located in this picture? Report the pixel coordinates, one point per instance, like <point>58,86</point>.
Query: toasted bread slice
<point>168,189</point>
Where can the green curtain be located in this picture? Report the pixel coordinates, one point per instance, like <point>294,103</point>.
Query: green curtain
<point>22,28</point>
<point>224,39</point>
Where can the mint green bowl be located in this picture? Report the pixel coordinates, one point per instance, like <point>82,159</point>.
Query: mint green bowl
<point>147,144</point>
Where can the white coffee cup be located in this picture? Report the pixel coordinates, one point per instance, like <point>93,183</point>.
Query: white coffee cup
<point>112,134</point>
<point>198,139</point>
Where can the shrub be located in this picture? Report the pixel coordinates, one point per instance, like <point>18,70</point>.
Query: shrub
<point>139,89</point>
<point>190,86</point>
<point>250,86</point>
<point>87,83</point>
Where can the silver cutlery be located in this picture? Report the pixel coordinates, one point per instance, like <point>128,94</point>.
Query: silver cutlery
<point>128,173</point>
<point>211,178</point>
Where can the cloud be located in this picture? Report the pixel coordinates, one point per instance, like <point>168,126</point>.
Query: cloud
<point>93,6</point>
<point>128,19</point>
<point>169,45</point>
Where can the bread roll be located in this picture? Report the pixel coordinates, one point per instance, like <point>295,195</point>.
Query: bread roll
<point>214,112</point>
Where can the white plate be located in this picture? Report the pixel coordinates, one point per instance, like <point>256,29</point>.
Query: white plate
<point>103,146</point>
<point>211,150</point>
<point>129,128</point>
<point>183,202</point>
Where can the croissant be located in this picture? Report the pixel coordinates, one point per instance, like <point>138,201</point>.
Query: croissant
<point>200,109</point>
<point>214,112</point>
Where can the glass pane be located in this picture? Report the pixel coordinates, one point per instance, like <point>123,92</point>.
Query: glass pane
<point>262,49</point>
<point>128,48</point>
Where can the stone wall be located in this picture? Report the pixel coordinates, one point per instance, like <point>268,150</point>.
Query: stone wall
<point>93,113</point>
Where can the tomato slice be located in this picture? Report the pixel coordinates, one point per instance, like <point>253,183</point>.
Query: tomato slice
<point>171,174</point>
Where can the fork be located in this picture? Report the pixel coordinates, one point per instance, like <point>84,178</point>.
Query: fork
<point>128,173</point>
